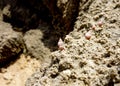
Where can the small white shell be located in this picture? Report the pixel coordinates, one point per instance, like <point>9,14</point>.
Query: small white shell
<point>93,27</point>
<point>88,35</point>
<point>100,23</point>
<point>60,44</point>
<point>67,72</point>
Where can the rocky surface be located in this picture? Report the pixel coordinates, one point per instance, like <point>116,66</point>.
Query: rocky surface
<point>24,14</point>
<point>11,43</point>
<point>91,33</point>
<point>64,14</point>
<point>34,44</point>
<point>27,14</point>
<point>87,62</point>
<point>17,73</point>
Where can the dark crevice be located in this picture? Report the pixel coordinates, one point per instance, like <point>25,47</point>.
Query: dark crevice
<point>28,14</point>
<point>11,60</point>
<point>25,15</point>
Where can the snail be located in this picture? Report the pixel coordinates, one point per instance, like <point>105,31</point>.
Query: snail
<point>88,35</point>
<point>60,44</point>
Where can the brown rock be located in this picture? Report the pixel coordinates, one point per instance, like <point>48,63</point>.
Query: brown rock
<point>11,43</point>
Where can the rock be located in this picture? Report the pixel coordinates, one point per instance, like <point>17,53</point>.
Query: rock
<point>30,81</point>
<point>8,76</point>
<point>11,43</point>
<point>26,14</point>
<point>34,44</point>
<point>64,13</point>
<point>83,62</point>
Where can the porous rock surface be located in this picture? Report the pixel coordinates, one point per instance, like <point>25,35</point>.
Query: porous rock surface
<point>83,62</point>
<point>11,43</point>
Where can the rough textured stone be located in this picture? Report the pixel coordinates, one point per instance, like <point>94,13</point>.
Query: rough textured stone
<point>11,43</point>
<point>34,44</point>
<point>63,13</point>
<point>83,62</point>
<point>27,14</point>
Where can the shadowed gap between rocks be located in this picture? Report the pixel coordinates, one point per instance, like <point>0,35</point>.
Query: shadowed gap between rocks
<point>9,61</point>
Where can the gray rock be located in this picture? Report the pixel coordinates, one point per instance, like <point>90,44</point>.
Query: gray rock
<point>11,43</point>
<point>34,44</point>
<point>83,62</point>
<point>24,14</point>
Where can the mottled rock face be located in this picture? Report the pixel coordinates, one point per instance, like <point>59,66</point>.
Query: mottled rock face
<point>85,62</point>
<point>34,44</point>
<point>27,14</point>
<point>82,62</point>
<point>64,13</point>
<point>11,43</point>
